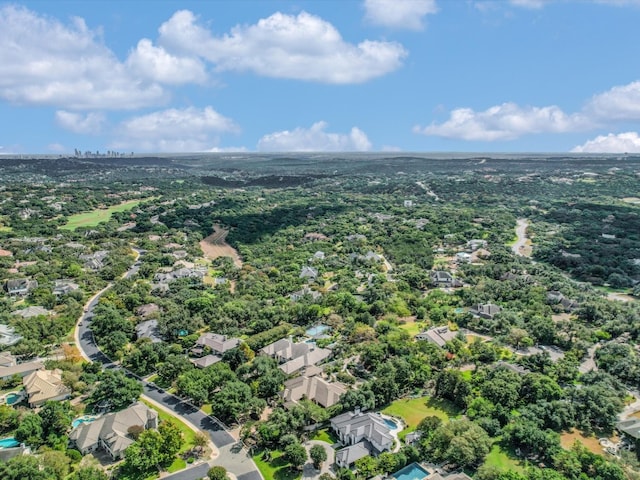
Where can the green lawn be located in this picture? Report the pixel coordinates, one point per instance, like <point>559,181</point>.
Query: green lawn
<point>206,408</point>
<point>188,435</point>
<point>94,217</point>
<point>275,469</point>
<point>325,435</point>
<point>412,410</point>
<point>412,328</point>
<point>502,460</point>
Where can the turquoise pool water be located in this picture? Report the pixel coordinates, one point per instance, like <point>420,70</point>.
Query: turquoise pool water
<point>390,423</point>
<point>9,442</point>
<point>81,420</point>
<point>12,398</point>
<point>411,472</point>
<point>317,330</point>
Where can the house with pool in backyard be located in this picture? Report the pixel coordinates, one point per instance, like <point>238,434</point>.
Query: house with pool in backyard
<point>367,433</point>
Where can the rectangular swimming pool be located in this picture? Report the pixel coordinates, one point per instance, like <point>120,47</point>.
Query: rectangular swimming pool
<point>411,472</point>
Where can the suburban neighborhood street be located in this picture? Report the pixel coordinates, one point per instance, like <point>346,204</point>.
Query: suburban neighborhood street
<point>232,455</point>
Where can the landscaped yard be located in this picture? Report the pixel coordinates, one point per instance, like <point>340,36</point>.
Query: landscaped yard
<point>188,437</point>
<point>277,468</point>
<point>502,460</point>
<point>325,435</point>
<point>412,327</point>
<point>94,217</point>
<point>413,410</point>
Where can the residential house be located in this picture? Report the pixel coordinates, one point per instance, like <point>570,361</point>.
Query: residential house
<point>9,366</point>
<point>8,335</point>
<point>319,255</point>
<point>368,430</point>
<point>463,257</point>
<point>313,388</point>
<point>488,310</point>
<point>630,428</point>
<point>295,356</point>
<point>206,361</point>
<point>438,335</point>
<point>347,456</point>
<point>7,453</point>
<point>147,310</point>
<point>44,385</point>
<point>306,291</point>
<point>94,261</point>
<point>62,287</point>
<point>512,367</point>
<point>218,344</point>
<point>475,244</point>
<point>111,432</point>
<point>441,278</point>
<point>33,311</point>
<point>148,329</point>
<point>309,273</point>
<point>198,273</point>
<point>554,297</point>
<point>19,286</point>
<point>448,476</point>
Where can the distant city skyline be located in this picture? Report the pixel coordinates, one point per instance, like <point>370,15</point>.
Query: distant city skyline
<point>324,75</point>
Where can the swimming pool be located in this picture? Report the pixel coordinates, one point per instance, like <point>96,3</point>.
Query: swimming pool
<point>411,472</point>
<point>317,330</point>
<point>391,423</point>
<point>9,442</point>
<point>12,398</point>
<point>81,420</point>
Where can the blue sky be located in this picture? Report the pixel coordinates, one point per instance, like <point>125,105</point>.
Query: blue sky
<point>328,75</point>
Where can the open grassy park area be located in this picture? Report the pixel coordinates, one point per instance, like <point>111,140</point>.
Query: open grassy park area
<point>99,215</point>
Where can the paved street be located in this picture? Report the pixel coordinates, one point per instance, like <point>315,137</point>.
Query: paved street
<point>231,456</point>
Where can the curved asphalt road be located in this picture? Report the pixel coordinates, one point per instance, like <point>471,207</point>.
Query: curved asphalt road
<point>231,454</point>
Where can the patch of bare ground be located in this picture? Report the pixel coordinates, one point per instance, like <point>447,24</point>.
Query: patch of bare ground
<point>215,246</point>
<point>621,297</point>
<point>590,442</point>
<point>559,317</point>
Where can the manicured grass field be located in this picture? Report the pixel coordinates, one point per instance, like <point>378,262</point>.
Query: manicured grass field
<point>500,459</point>
<point>325,436</point>
<point>94,217</point>
<point>277,468</point>
<point>413,410</point>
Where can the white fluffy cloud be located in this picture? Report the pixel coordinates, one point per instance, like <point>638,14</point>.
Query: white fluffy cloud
<point>504,122</point>
<point>92,122</point>
<point>612,143</point>
<point>509,120</point>
<point>174,130</point>
<point>156,64</point>
<point>619,103</point>
<point>407,14</point>
<point>302,47</point>
<point>43,61</point>
<point>315,139</point>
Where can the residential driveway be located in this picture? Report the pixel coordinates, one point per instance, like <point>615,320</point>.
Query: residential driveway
<point>308,472</point>
<point>588,363</point>
<point>231,454</point>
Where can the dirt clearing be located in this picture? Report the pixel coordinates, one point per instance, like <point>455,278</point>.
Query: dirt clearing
<point>215,246</point>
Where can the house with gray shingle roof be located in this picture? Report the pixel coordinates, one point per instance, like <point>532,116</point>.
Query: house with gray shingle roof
<point>295,356</point>
<point>217,343</point>
<point>355,427</point>
<point>111,432</point>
